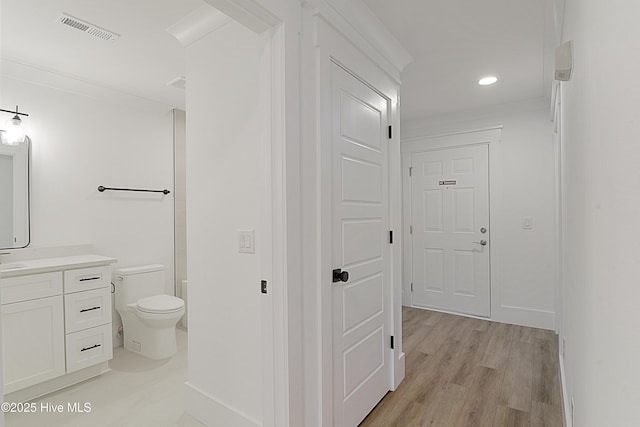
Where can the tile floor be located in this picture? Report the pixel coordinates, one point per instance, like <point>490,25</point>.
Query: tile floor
<point>138,392</point>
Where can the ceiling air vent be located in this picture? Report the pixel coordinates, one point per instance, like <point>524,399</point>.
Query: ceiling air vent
<point>86,27</point>
<point>179,82</point>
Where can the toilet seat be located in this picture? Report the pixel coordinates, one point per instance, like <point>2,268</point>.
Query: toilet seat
<point>160,304</point>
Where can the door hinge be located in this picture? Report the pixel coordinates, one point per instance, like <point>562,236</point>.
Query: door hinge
<point>391,237</point>
<point>390,132</point>
<point>411,171</point>
<point>412,287</point>
<point>411,229</point>
<point>391,342</point>
<point>263,286</point>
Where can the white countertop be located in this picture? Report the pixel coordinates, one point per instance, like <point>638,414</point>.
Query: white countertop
<point>45,265</point>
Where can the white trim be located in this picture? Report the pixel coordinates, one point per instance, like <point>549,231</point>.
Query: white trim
<point>442,135</point>
<point>532,318</point>
<point>356,23</point>
<point>566,405</point>
<point>212,412</point>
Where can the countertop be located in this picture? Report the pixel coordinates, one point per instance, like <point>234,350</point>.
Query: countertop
<point>45,265</point>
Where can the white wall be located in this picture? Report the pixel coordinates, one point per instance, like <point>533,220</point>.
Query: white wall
<point>523,261</point>
<point>601,211</point>
<point>84,136</point>
<point>224,186</point>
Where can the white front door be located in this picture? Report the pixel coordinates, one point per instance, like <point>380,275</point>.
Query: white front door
<point>360,248</point>
<point>450,229</point>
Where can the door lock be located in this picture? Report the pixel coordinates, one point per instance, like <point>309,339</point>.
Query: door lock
<point>482,242</point>
<point>483,230</point>
<point>340,276</point>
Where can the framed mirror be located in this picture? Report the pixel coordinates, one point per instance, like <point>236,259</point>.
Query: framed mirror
<point>14,195</point>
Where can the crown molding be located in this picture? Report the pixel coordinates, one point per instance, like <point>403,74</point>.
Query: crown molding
<point>364,29</point>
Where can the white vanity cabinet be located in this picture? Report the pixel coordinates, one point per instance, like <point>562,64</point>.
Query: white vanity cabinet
<point>56,325</point>
<point>32,330</point>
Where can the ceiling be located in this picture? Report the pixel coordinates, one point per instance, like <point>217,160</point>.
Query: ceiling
<point>453,42</point>
<point>457,42</point>
<point>141,62</point>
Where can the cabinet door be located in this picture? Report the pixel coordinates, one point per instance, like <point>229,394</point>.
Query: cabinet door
<point>32,342</point>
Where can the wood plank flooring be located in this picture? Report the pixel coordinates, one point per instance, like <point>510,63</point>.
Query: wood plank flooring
<point>463,372</point>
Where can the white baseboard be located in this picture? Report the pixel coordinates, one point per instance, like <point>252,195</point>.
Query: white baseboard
<point>58,383</point>
<point>524,317</point>
<point>566,406</point>
<point>213,413</point>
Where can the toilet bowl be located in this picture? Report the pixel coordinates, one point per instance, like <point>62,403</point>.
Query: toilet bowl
<point>149,317</point>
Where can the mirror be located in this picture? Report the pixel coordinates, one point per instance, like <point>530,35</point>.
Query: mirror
<point>14,195</point>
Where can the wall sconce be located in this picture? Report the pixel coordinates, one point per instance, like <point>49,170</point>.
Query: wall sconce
<point>14,130</point>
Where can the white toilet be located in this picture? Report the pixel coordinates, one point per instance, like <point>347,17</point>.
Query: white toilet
<point>149,316</point>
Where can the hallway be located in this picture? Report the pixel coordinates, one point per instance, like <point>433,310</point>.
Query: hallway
<point>470,372</point>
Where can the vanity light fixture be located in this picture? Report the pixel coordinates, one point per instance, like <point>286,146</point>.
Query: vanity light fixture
<point>14,132</point>
<point>486,81</point>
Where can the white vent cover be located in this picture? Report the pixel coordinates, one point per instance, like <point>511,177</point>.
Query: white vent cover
<point>86,27</point>
<point>179,82</point>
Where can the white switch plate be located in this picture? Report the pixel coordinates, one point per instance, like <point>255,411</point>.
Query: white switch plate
<point>527,223</point>
<point>246,242</point>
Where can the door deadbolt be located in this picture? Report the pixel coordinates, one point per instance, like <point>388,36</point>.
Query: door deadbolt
<point>483,230</point>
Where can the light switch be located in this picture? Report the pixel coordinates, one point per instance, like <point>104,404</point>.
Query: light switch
<point>527,223</point>
<point>246,241</point>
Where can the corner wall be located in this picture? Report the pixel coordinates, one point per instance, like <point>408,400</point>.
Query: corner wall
<point>84,136</point>
<point>225,145</point>
<point>601,210</point>
<point>523,261</point>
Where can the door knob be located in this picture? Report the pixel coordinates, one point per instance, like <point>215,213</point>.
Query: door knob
<point>340,276</point>
<point>482,242</point>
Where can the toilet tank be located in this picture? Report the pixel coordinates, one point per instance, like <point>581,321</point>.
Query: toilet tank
<point>134,283</point>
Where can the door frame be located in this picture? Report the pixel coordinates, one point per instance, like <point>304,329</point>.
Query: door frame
<point>332,47</point>
<point>423,144</point>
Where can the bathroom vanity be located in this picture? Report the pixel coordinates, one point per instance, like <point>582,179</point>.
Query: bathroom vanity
<point>56,323</point>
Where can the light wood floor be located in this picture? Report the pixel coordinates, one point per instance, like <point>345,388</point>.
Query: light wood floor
<point>469,372</point>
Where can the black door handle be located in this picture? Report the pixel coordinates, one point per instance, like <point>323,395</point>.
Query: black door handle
<point>340,276</point>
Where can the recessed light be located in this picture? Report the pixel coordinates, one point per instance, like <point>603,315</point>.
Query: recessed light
<point>487,81</point>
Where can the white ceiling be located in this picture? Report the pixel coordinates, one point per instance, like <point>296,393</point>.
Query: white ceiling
<point>456,42</point>
<point>141,62</point>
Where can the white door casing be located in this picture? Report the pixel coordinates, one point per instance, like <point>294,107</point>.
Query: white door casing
<point>450,230</point>
<point>360,194</point>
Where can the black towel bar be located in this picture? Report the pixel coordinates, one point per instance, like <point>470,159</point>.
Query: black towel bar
<point>101,189</point>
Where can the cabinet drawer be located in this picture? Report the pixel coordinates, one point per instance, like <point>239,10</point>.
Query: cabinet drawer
<point>88,347</point>
<point>84,310</point>
<point>33,286</point>
<point>86,278</point>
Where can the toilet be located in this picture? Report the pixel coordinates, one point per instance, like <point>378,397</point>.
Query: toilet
<point>149,316</point>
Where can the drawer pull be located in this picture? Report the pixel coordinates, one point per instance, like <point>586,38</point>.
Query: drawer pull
<point>89,309</point>
<point>92,347</point>
<point>86,279</point>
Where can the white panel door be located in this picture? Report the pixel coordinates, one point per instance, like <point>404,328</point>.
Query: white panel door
<point>360,247</point>
<point>450,229</point>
